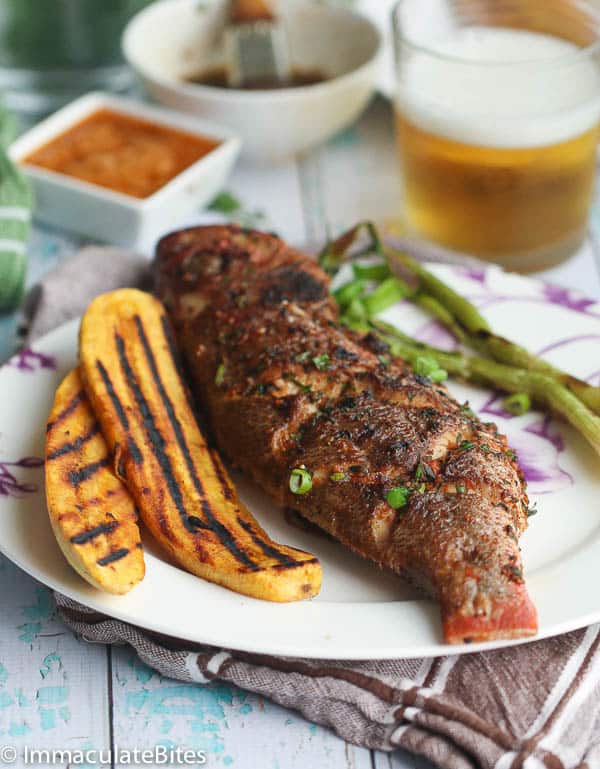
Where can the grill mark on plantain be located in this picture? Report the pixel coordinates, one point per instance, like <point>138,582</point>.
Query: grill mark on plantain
<point>68,409</point>
<point>224,535</point>
<point>87,536</point>
<point>113,556</point>
<point>75,445</point>
<point>132,446</point>
<point>225,483</point>
<point>269,550</point>
<point>134,451</point>
<point>156,439</point>
<point>117,405</point>
<point>78,476</point>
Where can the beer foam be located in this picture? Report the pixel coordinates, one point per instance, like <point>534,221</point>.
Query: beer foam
<point>500,87</point>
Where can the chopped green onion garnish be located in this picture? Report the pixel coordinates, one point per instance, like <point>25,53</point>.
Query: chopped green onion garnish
<point>337,477</point>
<point>384,360</point>
<point>532,511</point>
<point>376,272</point>
<point>321,362</point>
<point>349,291</point>
<point>517,404</point>
<point>300,481</point>
<point>385,295</point>
<point>302,356</point>
<point>466,445</point>
<point>429,367</point>
<point>220,375</point>
<point>397,497</point>
<point>356,311</point>
<point>511,454</point>
<point>460,489</point>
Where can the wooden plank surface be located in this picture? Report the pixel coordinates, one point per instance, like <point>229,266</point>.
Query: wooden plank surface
<point>56,691</point>
<point>53,688</point>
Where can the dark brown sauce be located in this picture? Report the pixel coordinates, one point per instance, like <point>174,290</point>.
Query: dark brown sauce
<point>217,78</point>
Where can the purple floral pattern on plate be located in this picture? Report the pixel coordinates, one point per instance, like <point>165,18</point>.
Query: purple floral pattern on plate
<point>539,445</point>
<point>569,299</point>
<point>10,485</point>
<point>29,360</point>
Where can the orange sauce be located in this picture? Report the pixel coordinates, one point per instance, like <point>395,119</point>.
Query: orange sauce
<point>124,153</point>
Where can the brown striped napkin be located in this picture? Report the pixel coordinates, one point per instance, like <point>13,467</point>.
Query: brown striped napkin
<point>535,706</point>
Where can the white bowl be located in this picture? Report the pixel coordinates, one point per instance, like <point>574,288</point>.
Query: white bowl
<point>172,40</point>
<point>114,216</point>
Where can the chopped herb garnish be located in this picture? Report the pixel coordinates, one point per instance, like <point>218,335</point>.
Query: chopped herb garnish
<point>300,481</point>
<point>346,294</point>
<point>387,293</point>
<point>532,510</point>
<point>517,404</point>
<point>397,497</point>
<point>511,454</point>
<point>225,203</point>
<point>420,488</point>
<point>460,488</point>
<point>514,572</point>
<point>356,311</point>
<point>321,362</point>
<point>302,356</point>
<point>419,472</point>
<point>337,477</point>
<point>466,445</point>
<point>220,375</point>
<point>426,366</point>
<point>384,360</point>
<point>466,409</point>
<point>485,448</point>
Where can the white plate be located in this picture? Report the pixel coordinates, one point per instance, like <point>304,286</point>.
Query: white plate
<point>361,612</point>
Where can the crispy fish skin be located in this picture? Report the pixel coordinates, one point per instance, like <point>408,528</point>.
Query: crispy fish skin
<point>92,514</point>
<point>181,488</point>
<point>298,390</point>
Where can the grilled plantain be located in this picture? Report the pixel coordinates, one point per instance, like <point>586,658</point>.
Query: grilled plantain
<point>92,514</point>
<point>181,488</point>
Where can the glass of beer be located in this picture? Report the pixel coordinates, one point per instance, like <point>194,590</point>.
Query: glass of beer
<point>497,120</point>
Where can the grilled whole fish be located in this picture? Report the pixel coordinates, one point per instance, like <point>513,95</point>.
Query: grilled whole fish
<point>285,387</point>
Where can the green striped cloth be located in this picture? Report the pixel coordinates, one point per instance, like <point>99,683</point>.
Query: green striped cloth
<point>15,215</point>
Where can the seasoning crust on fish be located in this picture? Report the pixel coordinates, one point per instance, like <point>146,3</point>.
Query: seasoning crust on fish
<point>394,467</point>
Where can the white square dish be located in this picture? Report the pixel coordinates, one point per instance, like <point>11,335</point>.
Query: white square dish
<point>116,217</point>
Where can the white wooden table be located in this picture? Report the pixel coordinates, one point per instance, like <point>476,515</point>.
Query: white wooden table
<point>58,692</point>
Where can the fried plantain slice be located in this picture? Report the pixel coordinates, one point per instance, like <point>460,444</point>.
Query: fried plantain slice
<point>93,516</point>
<point>182,490</point>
